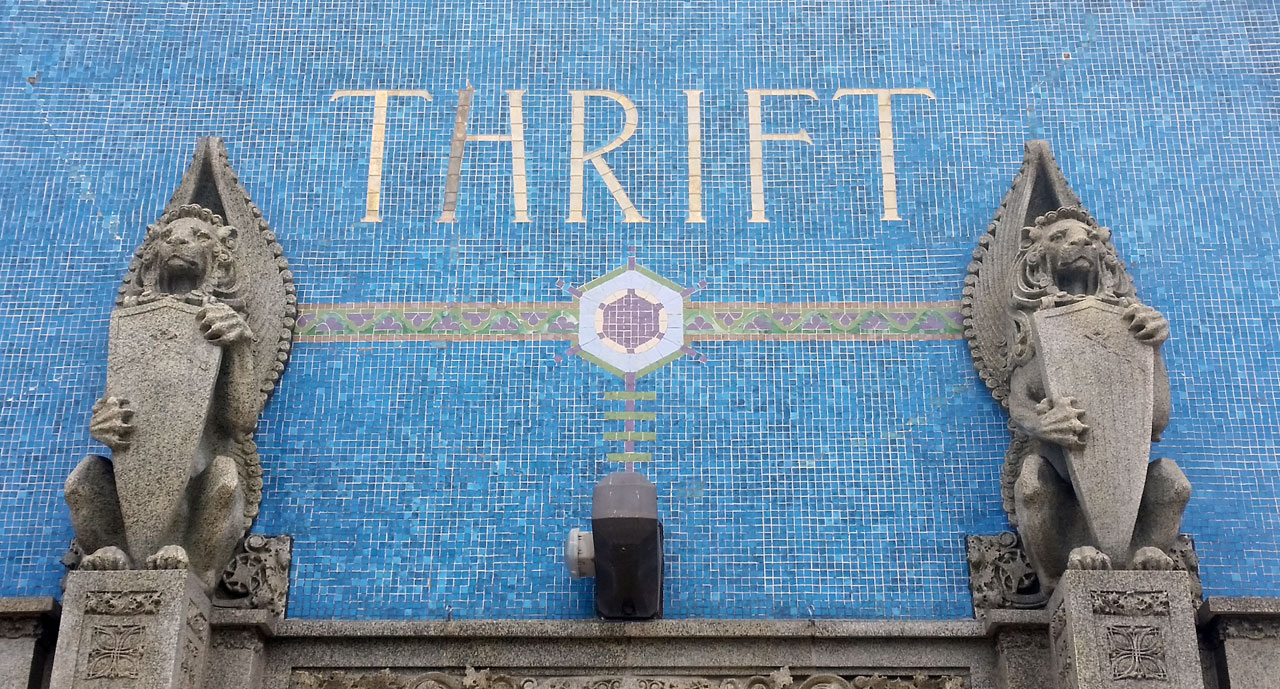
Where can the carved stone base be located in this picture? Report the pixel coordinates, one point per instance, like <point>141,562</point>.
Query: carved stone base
<point>1113,630</point>
<point>137,629</point>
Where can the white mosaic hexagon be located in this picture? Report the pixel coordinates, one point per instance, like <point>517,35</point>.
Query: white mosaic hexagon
<point>640,354</point>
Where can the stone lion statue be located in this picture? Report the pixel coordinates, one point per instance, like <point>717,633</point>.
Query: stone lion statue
<point>199,337</point>
<point>1050,308</point>
<point>186,256</point>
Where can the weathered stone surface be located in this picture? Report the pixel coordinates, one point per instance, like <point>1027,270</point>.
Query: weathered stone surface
<point>162,364</point>
<point>485,679</point>
<point>1110,629</point>
<point>199,338</point>
<point>1000,576</point>
<point>1023,656</point>
<point>1245,633</point>
<point>27,629</point>
<point>148,630</point>
<point>258,576</point>
<point>667,648</point>
<point>1089,355</point>
<point>237,656</point>
<point>1058,334</point>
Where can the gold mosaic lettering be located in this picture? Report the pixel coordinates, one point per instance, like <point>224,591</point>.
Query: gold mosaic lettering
<point>884,107</point>
<point>758,137</point>
<point>694,99</point>
<point>453,179</point>
<point>381,102</point>
<point>579,158</point>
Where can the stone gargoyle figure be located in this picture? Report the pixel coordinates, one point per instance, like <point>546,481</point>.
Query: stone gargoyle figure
<point>199,337</point>
<point>1060,337</point>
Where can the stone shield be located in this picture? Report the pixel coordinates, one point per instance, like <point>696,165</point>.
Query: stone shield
<point>1088,353</point>
<point>160,362</point>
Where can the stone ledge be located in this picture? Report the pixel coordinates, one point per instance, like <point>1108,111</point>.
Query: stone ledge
<point>1244,606</point>
<point>1000,619</point>
<point>28,607</point>
<point>591,629</point>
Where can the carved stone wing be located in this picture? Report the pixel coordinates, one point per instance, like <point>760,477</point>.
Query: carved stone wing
<point>270,300</point>
<point>1038,188</point>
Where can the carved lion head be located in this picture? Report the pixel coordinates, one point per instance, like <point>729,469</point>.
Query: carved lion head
<point>189,252</point>
<point>1066,255</point>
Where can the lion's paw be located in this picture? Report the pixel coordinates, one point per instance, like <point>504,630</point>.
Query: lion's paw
<point>1088,557</point>
<point>169,557</point>
<point>109,558</point>
<point>1151,557</point>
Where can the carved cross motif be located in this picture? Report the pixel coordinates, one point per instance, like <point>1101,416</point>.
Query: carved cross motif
<point>1136,652</point>
<point>116,651</point>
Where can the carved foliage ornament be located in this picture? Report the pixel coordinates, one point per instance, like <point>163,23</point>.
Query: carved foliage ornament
<point>20,627</point>
<point>122,602</point>
<point>485,679</point>
<point>1061,646</point>
<point>258,576</point>
<point>1130,603</point>
<point>1000,576</point>
<point>1241,628</point>
<point>194,643</point>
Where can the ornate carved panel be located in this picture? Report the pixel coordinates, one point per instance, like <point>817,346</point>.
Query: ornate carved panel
<point>115,651</point>
<point>486,679</point>
<point>1136,652</point>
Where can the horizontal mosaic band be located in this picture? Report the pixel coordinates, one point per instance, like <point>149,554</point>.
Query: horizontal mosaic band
<point>559,321</point>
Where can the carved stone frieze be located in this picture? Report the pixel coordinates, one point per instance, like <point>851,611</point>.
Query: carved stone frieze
<point>258,576</point>
<point>1136,652</point>
<point>1244,628</point>
<point>1130,603</point>
<point>487,679</point>
<point>122,602</point>
<point>20,627</point>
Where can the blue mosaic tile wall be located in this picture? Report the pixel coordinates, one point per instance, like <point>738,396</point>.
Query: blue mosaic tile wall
<point>426,478</point>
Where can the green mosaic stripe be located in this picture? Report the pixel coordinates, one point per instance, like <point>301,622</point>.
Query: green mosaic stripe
<point>629,456</point>
<point>439,321</point>
<point>630,416</point>
<point>783,321</point>
<point>702,321</point>
<point>627,395</point>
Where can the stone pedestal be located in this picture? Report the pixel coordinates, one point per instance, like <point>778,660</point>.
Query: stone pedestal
<point>236,647</point>
<point>1245,634</point>
<point>136,629</point>
<point>1124,630</point>
<point>26,626</point>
